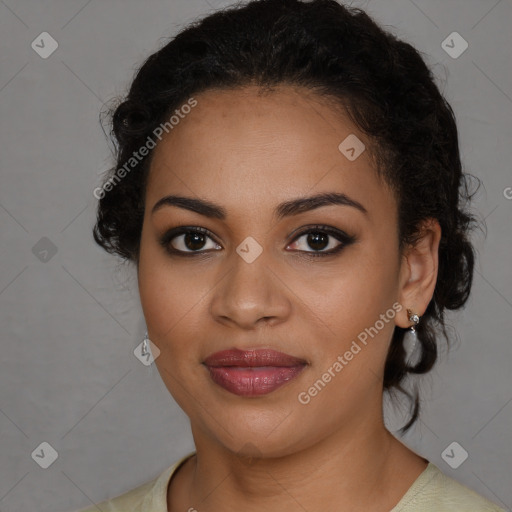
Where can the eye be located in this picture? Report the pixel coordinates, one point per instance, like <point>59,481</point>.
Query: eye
<point>185,239</point>
<point>191,240</point>
<point>320,238</point>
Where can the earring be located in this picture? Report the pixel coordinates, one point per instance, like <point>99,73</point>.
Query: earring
<point>145,345</point>
<point>414,318</point>
<point>411,345</point>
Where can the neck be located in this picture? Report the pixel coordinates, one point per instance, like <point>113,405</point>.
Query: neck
<point>362,466</point>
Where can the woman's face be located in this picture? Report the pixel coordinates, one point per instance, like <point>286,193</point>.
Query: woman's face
<point>259,275</point>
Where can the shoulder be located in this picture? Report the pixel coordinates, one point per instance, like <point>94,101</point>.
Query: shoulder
<point>151,495</point>
<point>435,491</point>
<point>129,501</point>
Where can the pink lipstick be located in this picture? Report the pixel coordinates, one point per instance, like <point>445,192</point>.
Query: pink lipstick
<point>252,372</point>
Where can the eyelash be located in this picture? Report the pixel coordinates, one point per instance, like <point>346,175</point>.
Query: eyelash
<point>341,236</point>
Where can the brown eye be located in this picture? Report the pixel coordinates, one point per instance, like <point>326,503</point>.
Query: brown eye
<point>317,239</point>
<point>192,241</point>
<point>188,240</point>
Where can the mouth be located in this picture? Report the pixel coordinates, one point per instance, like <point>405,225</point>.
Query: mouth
<point>252,372</point>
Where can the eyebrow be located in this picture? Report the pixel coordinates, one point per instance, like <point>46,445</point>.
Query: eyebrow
<point>286,209</point>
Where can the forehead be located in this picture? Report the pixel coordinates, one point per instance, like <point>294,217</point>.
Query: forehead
<point>256,149</point>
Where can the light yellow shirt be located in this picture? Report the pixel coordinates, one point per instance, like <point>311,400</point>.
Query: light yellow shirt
<point>432,491</point>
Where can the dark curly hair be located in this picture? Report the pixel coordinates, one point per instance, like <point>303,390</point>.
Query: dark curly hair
<point>340,53</point>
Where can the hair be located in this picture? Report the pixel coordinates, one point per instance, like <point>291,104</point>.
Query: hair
<point>340,53</point>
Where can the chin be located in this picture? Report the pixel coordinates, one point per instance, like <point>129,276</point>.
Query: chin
<point>256,433</point>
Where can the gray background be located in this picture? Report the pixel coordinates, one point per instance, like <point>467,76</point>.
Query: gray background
<point>71,320</point>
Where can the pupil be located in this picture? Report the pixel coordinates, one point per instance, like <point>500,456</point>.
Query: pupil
<point>194,241</point>
<point>318,241</point>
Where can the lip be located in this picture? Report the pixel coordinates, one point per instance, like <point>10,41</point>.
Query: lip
<point>252,372</point>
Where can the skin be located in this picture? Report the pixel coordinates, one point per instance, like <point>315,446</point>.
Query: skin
<point>248,153</point>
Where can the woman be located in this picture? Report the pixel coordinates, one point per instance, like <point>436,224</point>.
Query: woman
<point>289,186</point>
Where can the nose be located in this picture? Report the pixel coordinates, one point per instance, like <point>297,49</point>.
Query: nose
<point>251,294</point>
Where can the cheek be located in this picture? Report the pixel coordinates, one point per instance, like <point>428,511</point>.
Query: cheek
<point>169,313</point>
<point>171,306</point>
<point>358,309</point>
<point>165,293</point>
<point>364,289</point>
<point>348,367</point>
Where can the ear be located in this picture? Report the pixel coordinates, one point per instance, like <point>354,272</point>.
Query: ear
<point>418,272</point>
